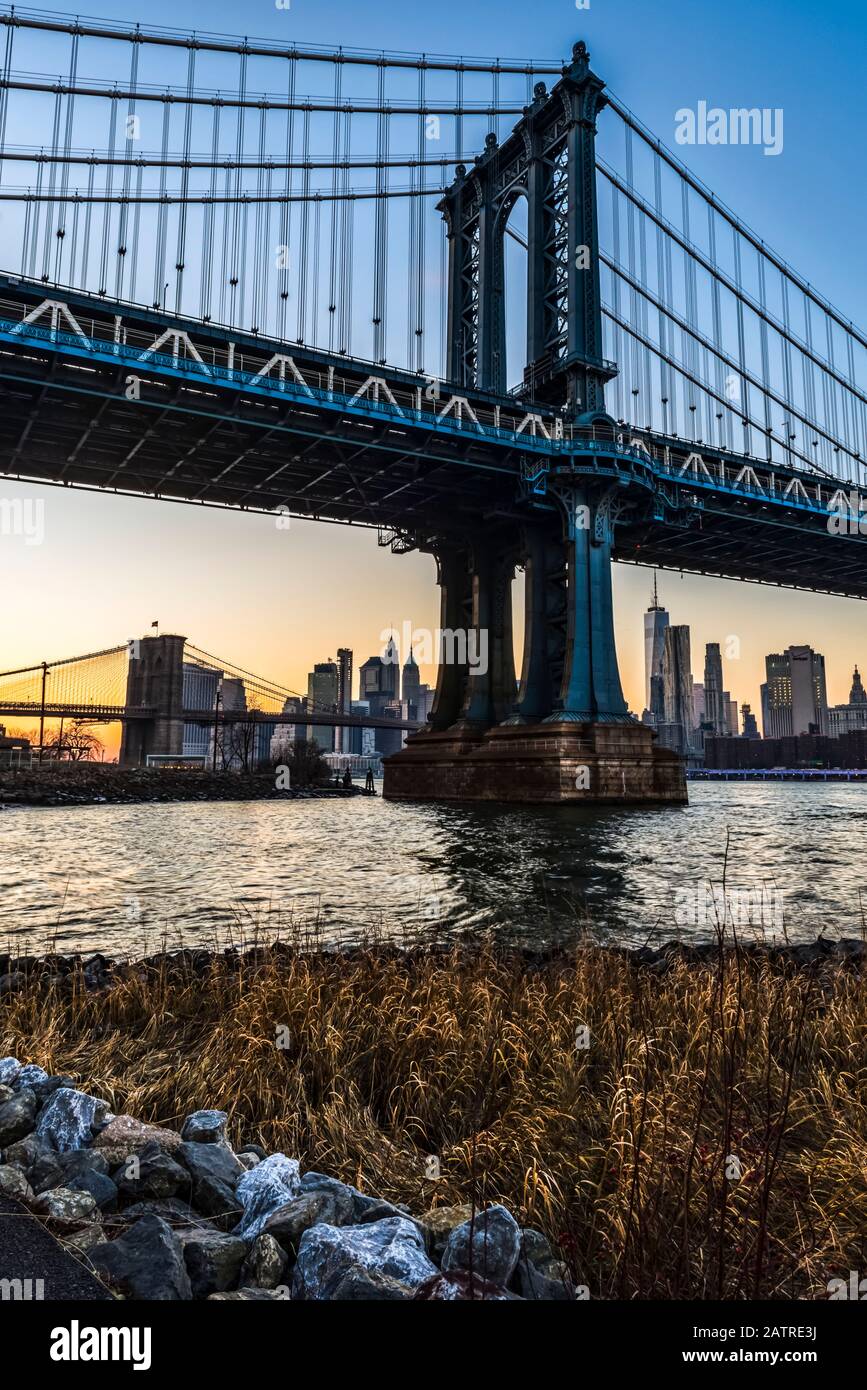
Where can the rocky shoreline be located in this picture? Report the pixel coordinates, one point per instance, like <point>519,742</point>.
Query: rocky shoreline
<point>159,1213</point>
<point>92,785</point>
<point>98,972</point>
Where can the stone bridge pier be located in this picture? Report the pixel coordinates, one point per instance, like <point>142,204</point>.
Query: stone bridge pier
<point>565,734</point>
<point>155,681</point>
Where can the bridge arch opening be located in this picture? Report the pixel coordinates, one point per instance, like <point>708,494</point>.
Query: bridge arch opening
<point>513,229</point>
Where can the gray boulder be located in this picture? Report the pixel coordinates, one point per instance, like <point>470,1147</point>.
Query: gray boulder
<point>152,1173</point>
<point>30,1076</point>
<point>46,1086</point>
<point>213,1260</point>
<point>17,1118</point>
<point>26,1152</point>
<point>458,1286</point>
<point>146,1262</point>
<point>63,1205</point>
<point>349,1202</point>
<point>265,1265</point>
<point>171,1209</point>
<point>245,1296</point>
<point>124,1135</point>
<point>288,1223</point>
<point>205,1127</point>
<point>552,1287</point>
<point>80,1241</point>
<point>214,1172</point>
<point>9,1069</point>
<point>6,1093</point>
<point>359,1285</point>
<point>70,1118</point>
<point>99,1185</point>
<point>271,1184</point>
<point>438,1224</point>
<point>326,1254</point>
<point>489,1245</point>
<point>13,1183</point>
<point>52,1169</point>
<point>535,1247</point>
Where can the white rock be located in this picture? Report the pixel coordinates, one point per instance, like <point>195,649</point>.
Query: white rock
<point>271,1184</point>
<point>68,1118</point>
<point>9,1069</point>
<point>393,1247</point>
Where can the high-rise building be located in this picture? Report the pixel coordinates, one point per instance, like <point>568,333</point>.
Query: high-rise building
<point>697,704</point>
<point>809,696</point>
<point>655,625</point>
<point>844,719</point>
<point>290,730</point>
<point>677,729</point>
<point>416,697</point>
<point>750,727</point>
<point>731,716</point>
<point>378,680</point>
<point>777,697</point>
<point>344,697</point>
<point>410,678</point>
<point>323,684</point>
<point>716,711</point>
<point>796,701</point>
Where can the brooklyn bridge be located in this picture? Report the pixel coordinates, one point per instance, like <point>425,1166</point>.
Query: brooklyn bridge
<point>228,291</point>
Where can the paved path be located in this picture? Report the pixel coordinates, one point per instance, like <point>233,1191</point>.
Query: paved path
<point>28,1251</point>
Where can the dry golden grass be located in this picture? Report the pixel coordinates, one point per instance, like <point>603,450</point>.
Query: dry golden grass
<point>617,1151</point>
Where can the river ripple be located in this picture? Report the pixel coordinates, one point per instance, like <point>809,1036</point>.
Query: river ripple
<point>122,879</point>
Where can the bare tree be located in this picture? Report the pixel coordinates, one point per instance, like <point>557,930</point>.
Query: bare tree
<point>74,744</point>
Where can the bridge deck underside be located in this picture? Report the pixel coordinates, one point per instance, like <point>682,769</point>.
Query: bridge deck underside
<point>751,543</point>
<point>65,419</point>
<point>62,425</point>
<point>67,425</point>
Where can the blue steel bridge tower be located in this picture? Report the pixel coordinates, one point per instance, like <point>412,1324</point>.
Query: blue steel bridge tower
<point>568,734</point>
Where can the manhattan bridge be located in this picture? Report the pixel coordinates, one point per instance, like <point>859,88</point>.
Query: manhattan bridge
<point>474,305</point>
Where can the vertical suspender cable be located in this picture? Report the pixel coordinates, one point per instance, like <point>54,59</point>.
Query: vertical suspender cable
<point>160,244</point>
<point>85,240</point>
<point>305,223</point>
<point>47,235</point>
<point>109,189</point>
<point>335,209</point>
<point>746,442</point>
<point>346,233</point>
<point>4,96</point>
<point>209,219</point>
<point>261,249</point>
<point>181,255</point>
<point>283,253</point>
<point>420,247</point>
<point>236,209</point>
<point>130,134</point>
<point>60,236</point>
<point>136,228</point>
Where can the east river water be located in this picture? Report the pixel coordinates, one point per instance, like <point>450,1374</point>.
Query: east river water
<point>127,879</point>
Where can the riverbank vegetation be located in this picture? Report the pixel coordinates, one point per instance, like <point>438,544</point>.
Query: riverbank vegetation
<point>680,1127</point>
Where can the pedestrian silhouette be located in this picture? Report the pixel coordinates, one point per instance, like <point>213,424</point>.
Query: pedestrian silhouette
<point>347,778</point>
<point>368,781</point>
